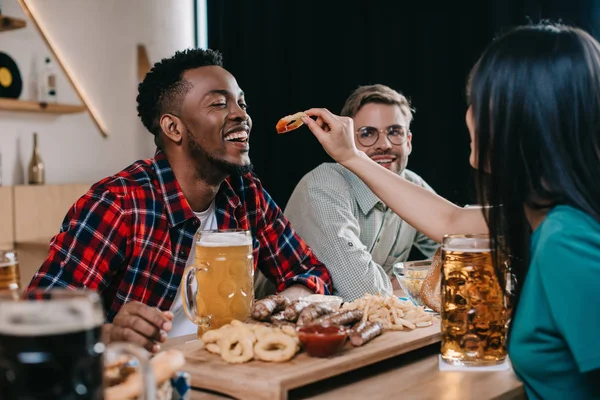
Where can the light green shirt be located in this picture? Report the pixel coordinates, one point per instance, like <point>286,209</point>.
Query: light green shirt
<point>351,231</point>
<point>555,340</point>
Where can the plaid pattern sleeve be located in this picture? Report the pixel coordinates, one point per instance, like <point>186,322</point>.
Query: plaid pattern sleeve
<point>284,257</point>
<point>90,246</point>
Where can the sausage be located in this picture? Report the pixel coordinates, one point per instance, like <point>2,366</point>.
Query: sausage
<point>278,318</point>
<point>292,312</point>
<point>264,308</point>
<point>345,317</point>
<point>312,312</point>
<point>365,331</point>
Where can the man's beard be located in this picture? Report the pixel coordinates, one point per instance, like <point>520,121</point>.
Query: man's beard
<point>211,167</point>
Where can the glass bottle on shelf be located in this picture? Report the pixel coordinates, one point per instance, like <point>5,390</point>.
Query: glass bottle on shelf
<point>36,165</point>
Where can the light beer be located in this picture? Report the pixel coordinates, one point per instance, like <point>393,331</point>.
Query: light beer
<point>474,305</point>
<point>9,271</point>
<point>224,272</point>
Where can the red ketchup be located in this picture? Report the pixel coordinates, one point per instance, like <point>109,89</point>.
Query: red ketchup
<point>322,341</point>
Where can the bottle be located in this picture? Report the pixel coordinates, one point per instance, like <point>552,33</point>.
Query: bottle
<point>49,83</point>
<point>36,165</point>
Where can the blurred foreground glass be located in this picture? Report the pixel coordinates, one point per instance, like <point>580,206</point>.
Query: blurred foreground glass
<point>221,288</point>
<point>51,347</point>
<point>475,306</point>
<point>9,270</point>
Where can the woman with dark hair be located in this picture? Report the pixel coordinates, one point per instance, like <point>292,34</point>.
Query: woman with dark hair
<point>534,120</point>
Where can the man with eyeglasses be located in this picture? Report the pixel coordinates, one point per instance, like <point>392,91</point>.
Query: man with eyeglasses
<point>349,229</point>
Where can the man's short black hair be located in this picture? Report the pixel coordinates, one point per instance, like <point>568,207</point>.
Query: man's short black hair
<point>163,88</point>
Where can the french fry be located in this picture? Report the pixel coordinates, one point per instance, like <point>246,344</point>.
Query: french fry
<point>407,324</point>
<point>391,312</point>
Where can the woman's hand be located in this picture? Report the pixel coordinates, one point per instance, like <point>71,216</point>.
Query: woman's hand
<point>335,133</point>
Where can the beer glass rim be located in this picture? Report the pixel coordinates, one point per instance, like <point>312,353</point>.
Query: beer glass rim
<point>417,263</point>
<point>467,236</point>
<point>35,295</point>
<point>482,240</point>
<point>200,233</point>
<point>420,265</point>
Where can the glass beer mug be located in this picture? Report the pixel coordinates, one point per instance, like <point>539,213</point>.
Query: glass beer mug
<point>219,286</point>
<point>51,347</point>
<point>9,270</point>
<point>475,304</point>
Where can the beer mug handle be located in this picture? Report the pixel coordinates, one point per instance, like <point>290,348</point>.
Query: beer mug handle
<point>144,367</point>
<point>189,299</point>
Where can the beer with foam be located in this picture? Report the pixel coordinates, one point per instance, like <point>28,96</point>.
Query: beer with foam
<point>222,286</point>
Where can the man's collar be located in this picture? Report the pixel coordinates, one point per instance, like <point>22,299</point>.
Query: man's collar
<point>178,208</point>
<point>365,198</point>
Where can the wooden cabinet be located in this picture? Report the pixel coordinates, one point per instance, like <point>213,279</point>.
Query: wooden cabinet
<point>7,234</point>
<point>30,217</point>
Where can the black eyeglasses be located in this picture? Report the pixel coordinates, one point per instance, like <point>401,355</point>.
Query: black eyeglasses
<point>368,135</point>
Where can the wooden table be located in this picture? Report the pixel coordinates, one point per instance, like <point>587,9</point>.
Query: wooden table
<point>413,376</point>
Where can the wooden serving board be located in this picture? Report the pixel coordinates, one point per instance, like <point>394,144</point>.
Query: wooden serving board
<point>269,381</point>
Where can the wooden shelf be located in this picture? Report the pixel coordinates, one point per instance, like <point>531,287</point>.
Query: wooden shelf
<point>9,24</point>
<point>39,107</point>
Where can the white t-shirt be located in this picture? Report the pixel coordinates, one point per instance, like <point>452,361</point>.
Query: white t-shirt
<point>181,323</point>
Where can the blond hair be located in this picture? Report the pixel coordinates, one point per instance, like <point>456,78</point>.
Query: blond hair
<point>379,94</point>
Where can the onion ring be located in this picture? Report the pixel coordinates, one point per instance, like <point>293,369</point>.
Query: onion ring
<point>275,347</point>
<point>230,341</point>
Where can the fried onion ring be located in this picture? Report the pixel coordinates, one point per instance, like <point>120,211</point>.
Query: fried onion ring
<point>228,347</point>
<point>275,347</point>
<point>213,348</point>
<point>291,332</point>
<point>213,335</point>
<point>260,331</point>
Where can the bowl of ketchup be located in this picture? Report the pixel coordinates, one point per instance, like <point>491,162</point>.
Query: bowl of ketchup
<point>322,341</point>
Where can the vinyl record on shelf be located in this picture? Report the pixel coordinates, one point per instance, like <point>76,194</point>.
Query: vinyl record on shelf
<point>11,83</point>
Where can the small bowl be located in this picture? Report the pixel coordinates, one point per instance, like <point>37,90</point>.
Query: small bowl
<point>332,301</point>
<point>322,341</point>
<point>410,276</point>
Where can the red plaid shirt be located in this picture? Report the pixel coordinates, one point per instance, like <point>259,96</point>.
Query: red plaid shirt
<point>130,235</point>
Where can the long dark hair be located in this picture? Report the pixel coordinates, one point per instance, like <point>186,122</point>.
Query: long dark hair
<point>535,97</point>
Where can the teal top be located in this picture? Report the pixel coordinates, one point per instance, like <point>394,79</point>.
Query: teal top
<point>555,342</point>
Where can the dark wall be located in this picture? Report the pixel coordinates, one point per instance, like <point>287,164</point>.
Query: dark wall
<point>292,55</point>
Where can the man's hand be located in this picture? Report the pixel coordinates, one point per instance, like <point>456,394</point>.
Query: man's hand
<point>140,324</point>
<point>295,292</point>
